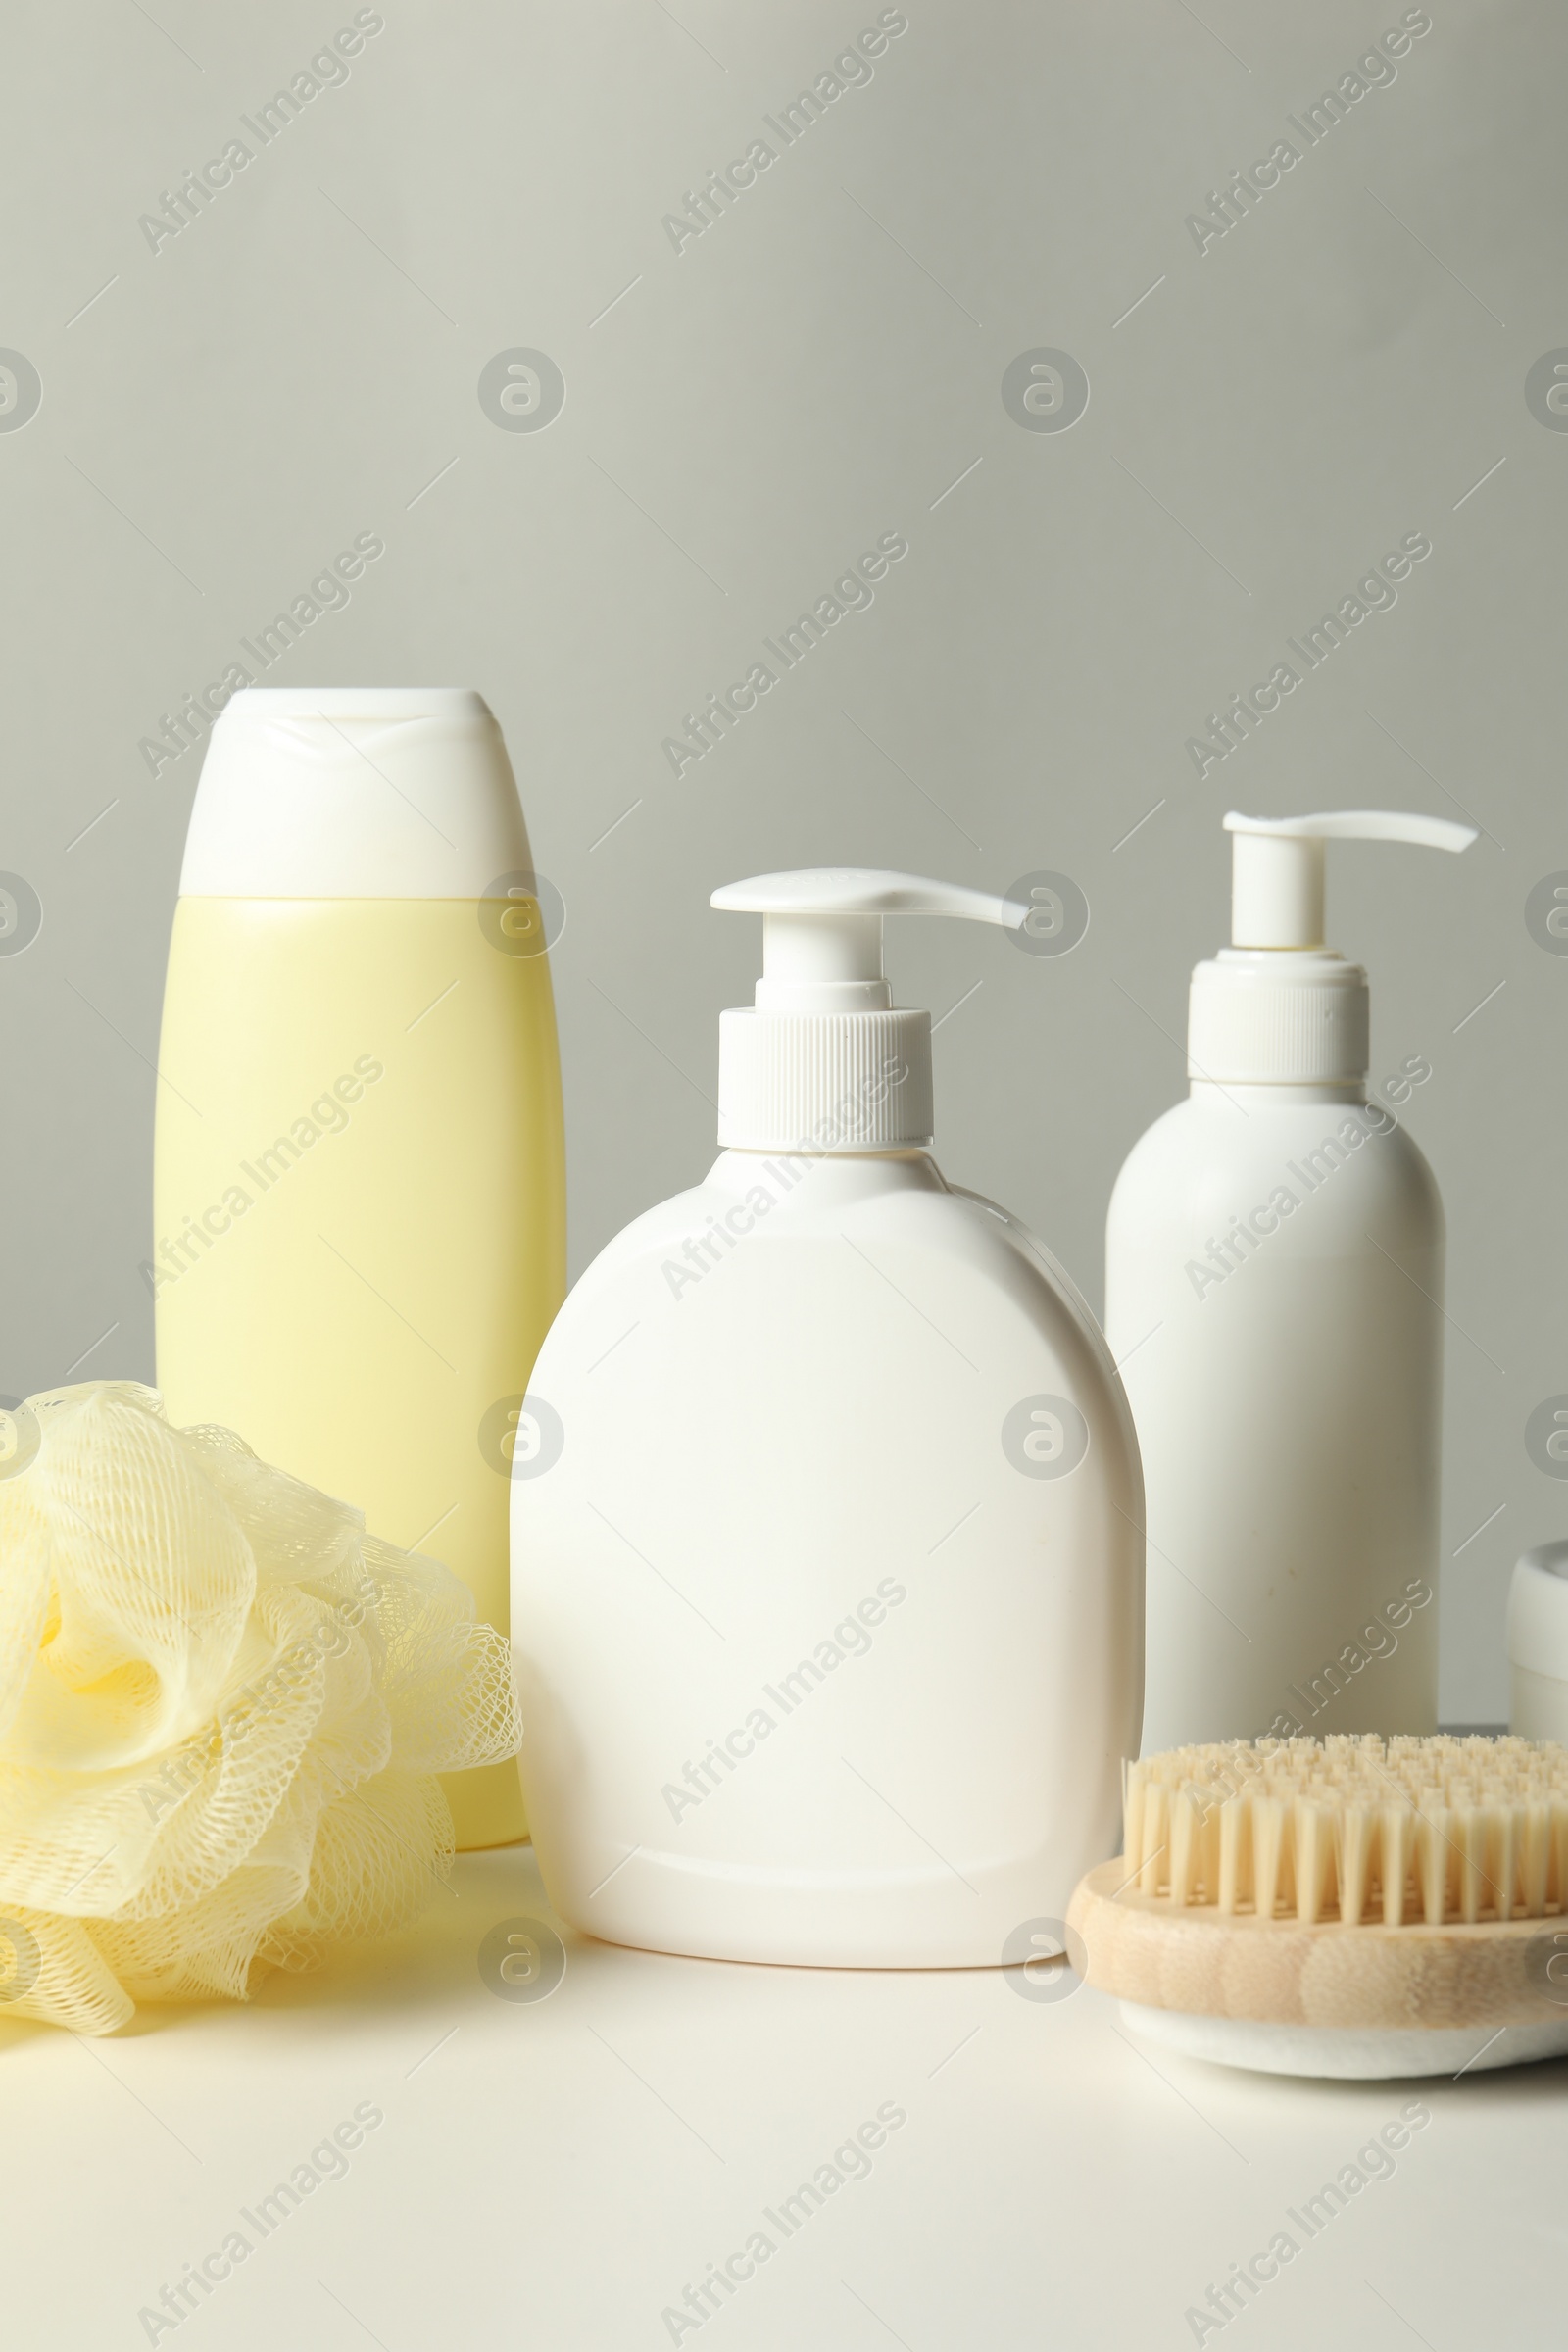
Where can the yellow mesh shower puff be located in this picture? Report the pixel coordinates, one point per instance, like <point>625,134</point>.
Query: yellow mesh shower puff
<point>223,1707</point>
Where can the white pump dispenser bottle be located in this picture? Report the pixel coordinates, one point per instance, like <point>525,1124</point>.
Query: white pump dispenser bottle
<point>1274,1259</point>
<point>825,1516</point>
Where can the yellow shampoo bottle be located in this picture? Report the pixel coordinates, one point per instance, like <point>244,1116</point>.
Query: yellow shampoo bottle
<point>358,1187</point>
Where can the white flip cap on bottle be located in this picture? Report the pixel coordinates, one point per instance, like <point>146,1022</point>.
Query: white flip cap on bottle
<point>1278,1007</point>
<point>823,1062</point>
<point>354,792</point>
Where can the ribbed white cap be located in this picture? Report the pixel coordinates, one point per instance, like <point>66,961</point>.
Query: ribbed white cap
<point>354,792</point>
<point>1280,1016</point>
<point>824,1081</point>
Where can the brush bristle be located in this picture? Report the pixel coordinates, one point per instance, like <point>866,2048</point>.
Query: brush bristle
<point>1354,1828</point>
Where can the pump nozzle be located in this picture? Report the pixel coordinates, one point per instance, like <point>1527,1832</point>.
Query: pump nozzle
<point>1278,1007</point>
<point>823,930</point>
<point>823,1062</point>
<point>1277,868</point>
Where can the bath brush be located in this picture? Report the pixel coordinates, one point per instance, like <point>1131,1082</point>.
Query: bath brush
<point>1353,1907</point>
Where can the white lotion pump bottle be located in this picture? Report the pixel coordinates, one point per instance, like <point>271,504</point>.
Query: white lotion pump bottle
<point>1274,1261</point>
<point>826,1512</point>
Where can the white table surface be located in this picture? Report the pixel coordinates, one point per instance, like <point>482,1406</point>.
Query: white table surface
<point>554,2173</point>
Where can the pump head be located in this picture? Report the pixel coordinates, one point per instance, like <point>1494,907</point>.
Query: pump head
<point>1278,1006</point>
<point>823,1062</point>
<point>1277,866</point>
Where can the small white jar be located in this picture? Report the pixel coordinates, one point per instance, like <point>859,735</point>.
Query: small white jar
<point>1537,1643</point>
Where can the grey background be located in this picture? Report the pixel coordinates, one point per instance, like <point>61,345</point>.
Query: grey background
<point>741,418</point>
